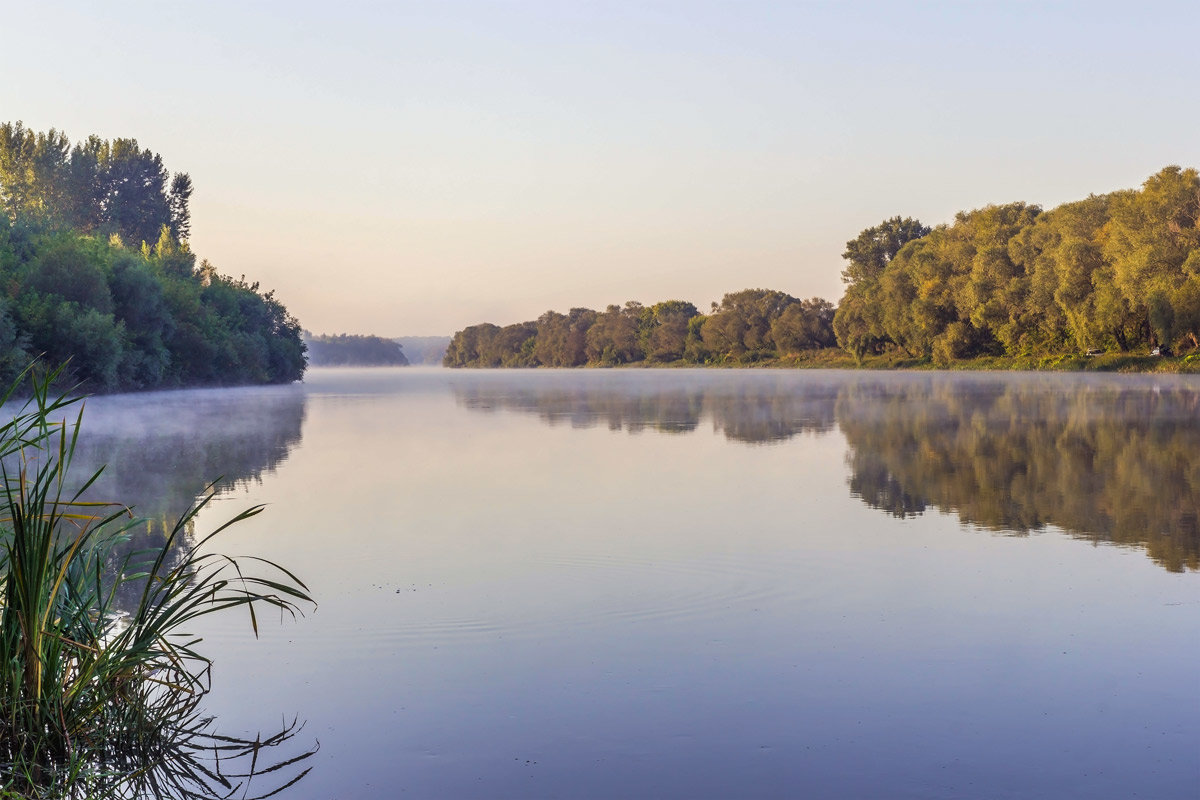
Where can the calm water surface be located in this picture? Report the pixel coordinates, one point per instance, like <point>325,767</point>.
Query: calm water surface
<point>703,584</point>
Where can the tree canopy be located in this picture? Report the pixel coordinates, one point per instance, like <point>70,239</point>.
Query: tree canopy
<point>1111,272</point>
<point>747,326</point>
<point>95,186</point>
<point>95,269</point>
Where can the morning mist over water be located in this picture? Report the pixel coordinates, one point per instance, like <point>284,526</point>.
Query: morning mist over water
<point>724,583</point>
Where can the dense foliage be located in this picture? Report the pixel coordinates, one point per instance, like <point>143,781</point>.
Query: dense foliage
<point>95,268</point>
<point>1112,272</point>
<point>346,349</point>
<point>747,326</point>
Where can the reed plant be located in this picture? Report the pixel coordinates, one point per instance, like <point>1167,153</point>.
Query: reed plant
<point>97,700</point>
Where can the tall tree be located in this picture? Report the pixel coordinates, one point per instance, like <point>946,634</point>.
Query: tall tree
<point>858,323</point>
<point>868,254</point>
<point>181,215</point>
<point>97,186</point>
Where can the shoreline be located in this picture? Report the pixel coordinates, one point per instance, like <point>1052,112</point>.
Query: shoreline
<point>840,359</point>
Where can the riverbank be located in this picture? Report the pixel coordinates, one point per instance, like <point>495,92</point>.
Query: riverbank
<point>1067,362</point>
<point>835,358</point>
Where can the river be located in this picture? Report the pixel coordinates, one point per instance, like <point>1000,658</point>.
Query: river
<point>701,583</point>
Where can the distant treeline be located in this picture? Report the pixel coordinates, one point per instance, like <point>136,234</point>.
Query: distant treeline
<point>424,349</point>
<point>1113,272</point>
<point>95,268</point>
<point>746,326</point>
<point>344,349</point>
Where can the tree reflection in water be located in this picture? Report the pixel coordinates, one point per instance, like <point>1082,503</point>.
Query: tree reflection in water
<point>751,414</point>
<point>1105,458</point>
<point>160,450</point>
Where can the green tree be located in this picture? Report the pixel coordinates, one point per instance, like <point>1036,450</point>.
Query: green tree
<point>858,322</point>
<point>740,327</point>
<point>67,271</point>
<point>613,338</point>
<point>96,186</point>
<point>868,255</point>
<point>1150,238</point>
<point>179,198</point>
<point>806,325</point>
<point>663,332</point>
<point>468,347</point>
<point>562,338</point>
<point>139,302</point>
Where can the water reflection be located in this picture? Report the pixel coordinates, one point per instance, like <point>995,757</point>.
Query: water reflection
<point>196,763</point>
<point>1105,461</point>
<point>753,413</point>
<point>160,450</point>
<point>1109,459</point>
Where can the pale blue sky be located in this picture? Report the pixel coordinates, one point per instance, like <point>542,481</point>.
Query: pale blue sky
<point>407,168</point>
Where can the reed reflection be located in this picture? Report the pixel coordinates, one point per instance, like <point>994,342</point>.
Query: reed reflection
<point>159,452</point>
<point>190,763</point>
<point>1105,459</point>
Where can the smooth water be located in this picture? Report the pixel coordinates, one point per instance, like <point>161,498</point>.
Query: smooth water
<point>678,583</point>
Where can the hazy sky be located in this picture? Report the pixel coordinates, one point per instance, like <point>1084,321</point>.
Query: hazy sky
<point>413,168</point>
